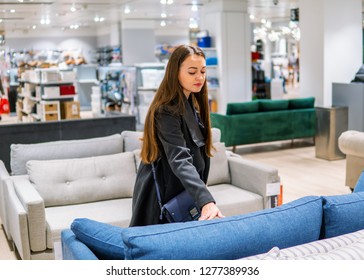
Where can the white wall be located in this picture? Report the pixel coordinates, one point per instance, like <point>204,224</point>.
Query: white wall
<point>331,45</point>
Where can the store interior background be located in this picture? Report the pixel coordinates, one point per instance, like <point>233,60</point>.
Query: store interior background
<point>266,35</point>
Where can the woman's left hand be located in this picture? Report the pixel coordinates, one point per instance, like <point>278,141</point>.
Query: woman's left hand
<point>210,211</point>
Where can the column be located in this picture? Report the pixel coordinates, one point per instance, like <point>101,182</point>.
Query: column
<point>229,27</point>
<point>331,46</point>
<point>137,41</point>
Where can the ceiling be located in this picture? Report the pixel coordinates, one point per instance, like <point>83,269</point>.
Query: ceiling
<point>26,15</point>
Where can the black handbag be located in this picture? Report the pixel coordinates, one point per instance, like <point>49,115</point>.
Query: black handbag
<point>181,208</point>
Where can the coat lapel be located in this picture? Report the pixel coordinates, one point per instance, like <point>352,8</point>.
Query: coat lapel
<point>193,126</point>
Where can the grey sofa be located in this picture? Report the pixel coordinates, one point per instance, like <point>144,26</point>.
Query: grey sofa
<point>65,180</point>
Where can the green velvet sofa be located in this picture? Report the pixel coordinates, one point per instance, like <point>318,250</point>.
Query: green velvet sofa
<point>266,120</point>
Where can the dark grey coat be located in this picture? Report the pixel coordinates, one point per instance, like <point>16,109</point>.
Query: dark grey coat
<point>183,164</point>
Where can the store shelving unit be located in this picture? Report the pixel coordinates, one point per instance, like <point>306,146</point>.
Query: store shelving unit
<point>212,77</point>
<point>42,91</point>
<point>148,79</point>
<point>117,88</point>
<point>86,78</point>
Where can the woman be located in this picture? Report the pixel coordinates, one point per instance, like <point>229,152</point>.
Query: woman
<point>177,139</point>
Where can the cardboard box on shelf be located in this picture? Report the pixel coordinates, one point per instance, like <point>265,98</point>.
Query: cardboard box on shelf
<point>70,110</point>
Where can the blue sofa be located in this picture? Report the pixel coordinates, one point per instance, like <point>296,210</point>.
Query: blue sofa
<point>306,220</point>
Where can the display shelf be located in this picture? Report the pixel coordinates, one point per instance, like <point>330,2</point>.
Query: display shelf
<point>148,79</point>
<point>117,89</point>
<point>212,77</point>
<point>44,85</point>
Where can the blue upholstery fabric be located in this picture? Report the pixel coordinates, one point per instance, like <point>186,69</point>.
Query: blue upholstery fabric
<point>73,249</point>
<point>341,214</point>
<point>359,186</point>
<point>233,237</point>
<point>104,240</point>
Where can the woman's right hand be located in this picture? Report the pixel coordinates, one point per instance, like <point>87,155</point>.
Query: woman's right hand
<point>210,211</point>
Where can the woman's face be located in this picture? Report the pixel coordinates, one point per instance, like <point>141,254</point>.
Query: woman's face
<point>192,74</point>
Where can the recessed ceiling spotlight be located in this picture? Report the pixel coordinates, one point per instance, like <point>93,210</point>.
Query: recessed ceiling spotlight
<point>127,10</point>
<point>168,2</point>
<point>163,23</point>
<point>73,9</point>
<point>194,8</point>
<point>251,16</point>
<point>163,15</point>
<point>34,27</point>
<point>12,11</point>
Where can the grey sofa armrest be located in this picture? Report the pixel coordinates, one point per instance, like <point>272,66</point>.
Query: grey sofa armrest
<point>4,174</point>
<point>252,176</point>
<point>33,204</point>
<point>18,222</point>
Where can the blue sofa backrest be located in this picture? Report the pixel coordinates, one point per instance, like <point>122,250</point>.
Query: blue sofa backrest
<point>233,237</point>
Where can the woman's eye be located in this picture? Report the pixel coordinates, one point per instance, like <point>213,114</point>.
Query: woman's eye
<point>192,73</point>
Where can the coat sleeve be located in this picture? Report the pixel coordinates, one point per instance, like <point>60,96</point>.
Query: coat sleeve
<point>179,157</point>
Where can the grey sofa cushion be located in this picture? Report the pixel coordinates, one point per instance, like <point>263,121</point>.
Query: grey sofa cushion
<point>116,212</point>
<point>21,153</point>
<point>219,167</point>
<point>74,181</point>
<point>132,140</point>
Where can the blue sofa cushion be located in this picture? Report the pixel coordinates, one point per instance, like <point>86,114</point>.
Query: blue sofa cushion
<point>341,214</point>
<point>74,249</point>
<point>104,240</point>
<point>273,105</point>
<point>231,237</point>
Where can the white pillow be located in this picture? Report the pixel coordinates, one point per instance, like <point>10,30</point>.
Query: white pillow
<point>219,166</point>
<point>75,181</point>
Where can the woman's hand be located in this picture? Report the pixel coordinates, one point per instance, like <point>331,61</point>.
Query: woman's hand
<point>210,211</point>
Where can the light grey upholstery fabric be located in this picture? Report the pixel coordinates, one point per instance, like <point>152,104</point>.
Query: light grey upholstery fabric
<point>34,206</point>
<point>116,212</point>
<point>21,153</point>
<point>132,140</point>
<point>73,181</point>
<point>219,167</point>
<point>234,201</point>
<point>351,143</point>
<point>216,134</point>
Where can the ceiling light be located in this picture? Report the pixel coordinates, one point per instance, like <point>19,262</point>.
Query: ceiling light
<point>194,8</point>
<point>127,10</point>
<point>102,19</point>
<point>73,8</point>
<point>12,11</point>
<point>163,23</point>
<point>34,26</point>
<point>163,15</point>
<point>168,2</point>
<point>74,26</point>
<point>1,20</point>
<point>251,16</point>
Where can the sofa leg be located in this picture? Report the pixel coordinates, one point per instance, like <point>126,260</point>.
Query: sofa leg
<point>234,149</point>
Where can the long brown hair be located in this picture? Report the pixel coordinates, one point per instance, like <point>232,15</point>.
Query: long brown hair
<point>171,90</point>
